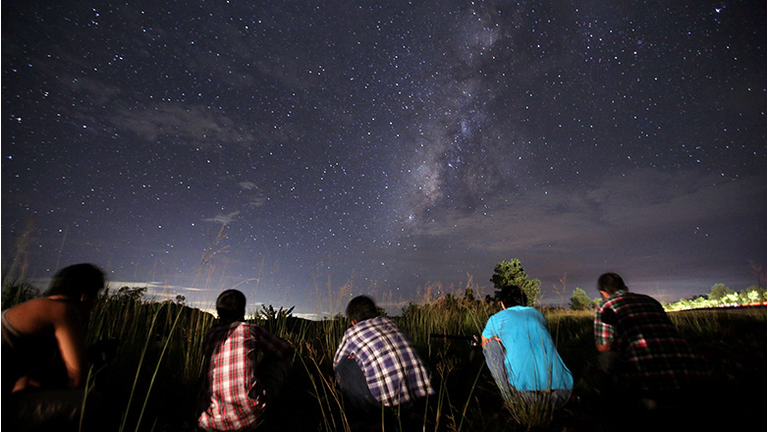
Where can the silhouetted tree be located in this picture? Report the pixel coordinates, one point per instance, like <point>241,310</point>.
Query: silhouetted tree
<point>580,300</point>
<point>512,273</point>
<point>719,291</point>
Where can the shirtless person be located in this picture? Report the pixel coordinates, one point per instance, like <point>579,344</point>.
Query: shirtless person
<point>44,355</point>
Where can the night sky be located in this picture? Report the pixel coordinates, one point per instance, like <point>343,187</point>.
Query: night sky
<point>292,148</point>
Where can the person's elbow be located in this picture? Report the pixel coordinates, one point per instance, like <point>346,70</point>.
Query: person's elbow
<point>484,341</point>
<point>76,378</point>
<point>77,369</point>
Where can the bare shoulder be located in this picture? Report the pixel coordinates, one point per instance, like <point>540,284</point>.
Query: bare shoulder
<point>63,311</point>
<point>41,314</point>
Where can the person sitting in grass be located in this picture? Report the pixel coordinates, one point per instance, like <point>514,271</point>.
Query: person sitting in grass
<point>376,363</point>
<point>45,362</point>
<point>643,355</point>
<point>521,356</point>
<point>238,387</point>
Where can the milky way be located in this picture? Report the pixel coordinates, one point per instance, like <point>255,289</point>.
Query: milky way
<point>292,148</point>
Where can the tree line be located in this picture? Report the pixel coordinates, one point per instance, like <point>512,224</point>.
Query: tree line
<point>512,273</point>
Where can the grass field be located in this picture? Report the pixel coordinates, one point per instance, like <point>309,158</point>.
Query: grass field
<point>152,383</point>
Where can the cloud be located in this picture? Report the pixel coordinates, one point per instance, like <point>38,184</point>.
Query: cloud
<point>187,124</point>
<point>223,218</point>
<point>645,203</point>
<point>682,228</point>
<point>257,201</point>
<point>248,185</point>
<point>254,197</point>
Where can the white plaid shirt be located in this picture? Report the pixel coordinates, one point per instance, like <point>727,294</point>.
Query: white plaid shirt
<point>393,370</point>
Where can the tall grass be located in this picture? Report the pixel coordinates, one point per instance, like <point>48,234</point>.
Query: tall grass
<point>160,354</point>
<point>327,395</point>
<point>153,382</point>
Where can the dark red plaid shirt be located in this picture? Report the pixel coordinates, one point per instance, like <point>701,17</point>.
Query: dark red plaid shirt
<point>232,351</point>
<point>655,356</point>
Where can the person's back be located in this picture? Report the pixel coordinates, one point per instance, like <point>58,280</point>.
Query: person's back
<point>532,359</point>
<point>238,386</point>
<point>376,363</point>
<point>521,355</point>
<point>31,349</point>
<point>44,354</point>
<point>392,369</point>
<point>654,355</point>
<point>231,378</point>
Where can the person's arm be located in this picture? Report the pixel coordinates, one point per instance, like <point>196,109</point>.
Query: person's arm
<point>341,351</point>
<point>489,333</point>
<point>603,347</point>
<point>272,345</point>
<point>603,332</point>
<point>70,335</point>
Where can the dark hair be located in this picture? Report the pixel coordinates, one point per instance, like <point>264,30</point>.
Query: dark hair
<point>76,280</point>
<point>512,295</point>
<point>610,283</point>
<point>230,305</point>
<point>361,308</point>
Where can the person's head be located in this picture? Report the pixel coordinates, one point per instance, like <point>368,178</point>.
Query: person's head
<point>230,305</point>
<point>361,308</point>
<point>609,283</point>
<point>78,282</point>
<point>512,295</point>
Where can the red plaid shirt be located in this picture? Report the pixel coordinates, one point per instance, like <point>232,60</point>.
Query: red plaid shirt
<point>654,355</point>
<point>231,350</point>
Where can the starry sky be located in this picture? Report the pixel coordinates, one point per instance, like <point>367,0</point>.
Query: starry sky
<point>306,151</point>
